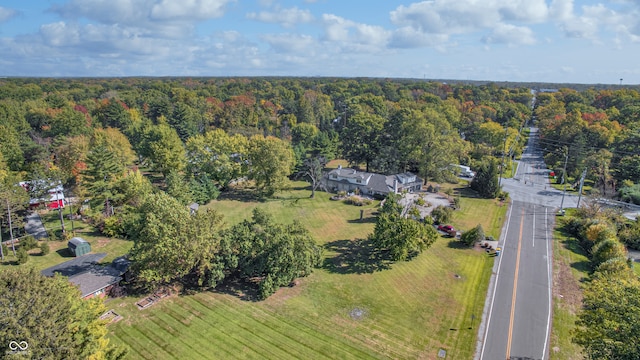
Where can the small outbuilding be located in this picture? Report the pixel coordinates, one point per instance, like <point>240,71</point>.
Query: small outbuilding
<point>79,246</point>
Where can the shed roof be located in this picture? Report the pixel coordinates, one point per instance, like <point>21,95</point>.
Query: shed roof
<point>76,241</point>
<point>75,266</point>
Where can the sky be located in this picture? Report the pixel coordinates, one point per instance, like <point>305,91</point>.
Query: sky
<point>558,41</point>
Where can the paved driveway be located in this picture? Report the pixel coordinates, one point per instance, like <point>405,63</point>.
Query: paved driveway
<point>34,226</point>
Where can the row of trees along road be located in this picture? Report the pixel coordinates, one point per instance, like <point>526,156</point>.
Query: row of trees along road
<point>609,322</point>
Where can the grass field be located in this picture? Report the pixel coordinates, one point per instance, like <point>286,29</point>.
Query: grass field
<point>352,308</point>
<point>571,267</point>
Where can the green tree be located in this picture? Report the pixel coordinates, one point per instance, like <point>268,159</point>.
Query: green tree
<point>21,255</point>
<point>400,236</point>
<point>472,236</point>
<point>277,253</point>
<point>98,178</point>
<point>115,142</point>
<point>50,316</point>
<point>608,325</point>
<point>178,188</point>
<point>271,161</point>
<point>360,138</point>
<point>171,244</point>
<point>486,180</point>
<point>222,157</point>
<point>163,147</point>
<point>10,148</point>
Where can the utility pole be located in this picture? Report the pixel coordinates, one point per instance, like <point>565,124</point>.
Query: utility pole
<point>73,230</point>
<point>60,210</point>
<point>584,174</point>
<point>564,179</point>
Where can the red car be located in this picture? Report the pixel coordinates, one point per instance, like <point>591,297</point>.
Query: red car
<point>447,228</point>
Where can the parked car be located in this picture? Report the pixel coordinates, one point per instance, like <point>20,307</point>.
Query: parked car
<point>450,230</point>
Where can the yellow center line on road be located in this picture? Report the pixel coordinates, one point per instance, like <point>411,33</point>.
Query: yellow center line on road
<point>515,288</point>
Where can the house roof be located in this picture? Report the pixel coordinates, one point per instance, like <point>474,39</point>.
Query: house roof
<point>379,184</point>
<point>75,266</point>
<point>96,278</point>
<point>88,275</point>
<point>350,173</point>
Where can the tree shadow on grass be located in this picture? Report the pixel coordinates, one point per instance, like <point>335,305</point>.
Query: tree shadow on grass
<point>357,256</point>
<point>457,244</point>
<point>245,290</point>
<point>582,266</point>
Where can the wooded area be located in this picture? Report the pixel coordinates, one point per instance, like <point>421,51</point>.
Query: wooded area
<point>140,151</point>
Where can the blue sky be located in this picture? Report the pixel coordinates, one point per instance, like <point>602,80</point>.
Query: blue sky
<point>499,40</point>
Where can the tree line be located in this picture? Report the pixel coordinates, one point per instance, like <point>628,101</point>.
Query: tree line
<point>608,322</point>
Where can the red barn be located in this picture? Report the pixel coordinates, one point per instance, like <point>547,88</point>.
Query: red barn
<point>54,198</point>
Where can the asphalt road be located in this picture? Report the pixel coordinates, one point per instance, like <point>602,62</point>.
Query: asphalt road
<point>518,312</point>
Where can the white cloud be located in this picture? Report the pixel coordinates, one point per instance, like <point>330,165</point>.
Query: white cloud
<point>430,22</point>
<point>289,43</point>
<point>188,9</point>
<point>339,29</point>
<point>6,14</point>
<point>511,35</point>
<point>142,13</point>
<point>285,17</point>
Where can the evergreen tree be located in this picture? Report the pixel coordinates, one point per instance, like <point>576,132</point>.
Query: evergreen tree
<point>98,178</point>
<point>486,180</point>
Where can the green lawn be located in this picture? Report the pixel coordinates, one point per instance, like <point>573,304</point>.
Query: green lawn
<point>473,211</point>
<point>58,248</point>
<point>571,266</point>
<point>349,309</point>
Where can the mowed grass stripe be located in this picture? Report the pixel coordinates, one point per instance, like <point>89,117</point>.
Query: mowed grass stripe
<point>266,332</point>
<point>314,341</point>
<point>206,335</point>
<point>176,343</point>
<point>138,343</point>
<point>234,327</point>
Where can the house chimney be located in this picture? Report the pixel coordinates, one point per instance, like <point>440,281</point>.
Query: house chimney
<point>395,186</point>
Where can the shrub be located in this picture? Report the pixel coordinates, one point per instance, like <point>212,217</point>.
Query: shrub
<point>357,201</point>
<point>5,249</point>
<point>22,255</point>
<point>420,201</point>
<point>606,250</point>
<point>53,236</point>
<point>28,243</point>
<point>472,236</point>
<point>44,248</point>
<point>441,214</point>
<point>113,226</point>
<point>456,202</point>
